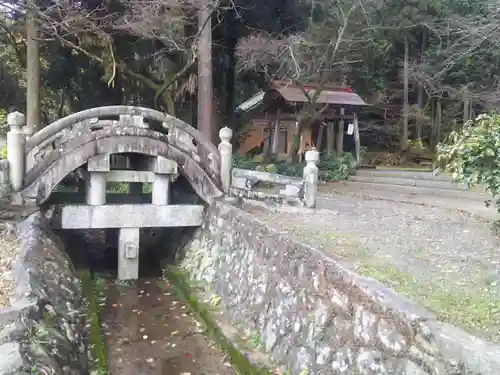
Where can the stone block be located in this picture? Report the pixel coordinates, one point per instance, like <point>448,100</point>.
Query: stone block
<point>239,182</point>
<point>99,163</point>
<point>161,165</point>
<point>292,191</point>
<point>130,216</point>
<point>130,176</point>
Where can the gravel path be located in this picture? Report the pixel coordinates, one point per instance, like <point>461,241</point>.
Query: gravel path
<point>448,261</point>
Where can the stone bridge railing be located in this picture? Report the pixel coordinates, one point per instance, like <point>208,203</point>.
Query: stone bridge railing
<point>29,155</point>
<point>99,131</point>
<point>297,191</point>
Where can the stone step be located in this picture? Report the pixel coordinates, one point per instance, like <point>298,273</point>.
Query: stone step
<point>425,183</point>
<point>405,189</point>
<point>404,174</point>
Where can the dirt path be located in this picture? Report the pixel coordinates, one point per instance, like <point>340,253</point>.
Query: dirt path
<point>447,261</point>
<point>148,332</point>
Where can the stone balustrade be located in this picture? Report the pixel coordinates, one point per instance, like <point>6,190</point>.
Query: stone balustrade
<point>29,153</point>
<point>297,191</point>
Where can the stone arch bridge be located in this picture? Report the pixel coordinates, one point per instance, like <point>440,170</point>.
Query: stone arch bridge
<point>132,145</point>
<point>126,144</point>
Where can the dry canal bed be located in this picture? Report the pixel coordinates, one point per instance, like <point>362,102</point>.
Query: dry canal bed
<point>148,331</point>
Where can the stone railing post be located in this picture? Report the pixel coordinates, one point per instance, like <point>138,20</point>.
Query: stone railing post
<point>164,170</point>
<point>226,157</point>
<point>97,166</point>
<point>311,178</point>
<point>28,131</point>
<point>15,149</point>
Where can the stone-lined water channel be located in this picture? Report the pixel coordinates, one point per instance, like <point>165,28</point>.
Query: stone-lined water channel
<point>148,331</point>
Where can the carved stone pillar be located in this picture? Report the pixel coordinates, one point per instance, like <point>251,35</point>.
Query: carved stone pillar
<point>311,178</point>
<point>15,149</point>
<point>164,169</point>
<point>226,157</point>
<point>98,167</point>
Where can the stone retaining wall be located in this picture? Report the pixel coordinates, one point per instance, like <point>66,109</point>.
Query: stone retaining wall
<point>312,313</point>
<point>43,331</point>
<point>4,178</point>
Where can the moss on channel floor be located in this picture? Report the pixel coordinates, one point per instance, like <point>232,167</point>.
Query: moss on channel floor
<point>93,292</point>
<point>185,292</point>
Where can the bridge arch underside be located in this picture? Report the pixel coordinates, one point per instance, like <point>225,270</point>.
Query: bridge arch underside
<point>47,173</point>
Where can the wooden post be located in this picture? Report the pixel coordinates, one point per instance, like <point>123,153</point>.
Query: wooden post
<point>357,142</point>
<point>321,131</point>
<point>340,133</point>
<point>276,133</point>
<point>330,137</point>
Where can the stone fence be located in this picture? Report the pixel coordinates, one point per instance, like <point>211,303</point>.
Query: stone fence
<point>297,191</point>
<point>315,316</point>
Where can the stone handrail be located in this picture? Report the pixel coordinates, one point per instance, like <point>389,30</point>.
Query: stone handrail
<point>179,132</point>
<point>117,110</point>
<point>297,190</point>
<point>27,150</point>
<point>272,178</point>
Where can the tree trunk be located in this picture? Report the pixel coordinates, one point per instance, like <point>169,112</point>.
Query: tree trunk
<point>340,133</point>
<point>62,101</point>
<point>330,137</point>
<point>294,148</point>
<point>420,94</point>
<point>432,141</point>
<point>205,83</point>
<point>439,118</point>
<point>33,119</point>
<point>467,110</point>
<point>406,109</point>
<point>357,141</point>
<point>319,138</point>
<point>168,97</point>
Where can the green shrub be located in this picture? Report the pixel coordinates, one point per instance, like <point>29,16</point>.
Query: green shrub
<point>117,187</point>
<point>244,162</point>
<point>4,128</point>
<point>3,152</point>
<point>336,168</point>
<point>472,155</point>
<point>331,167</point>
